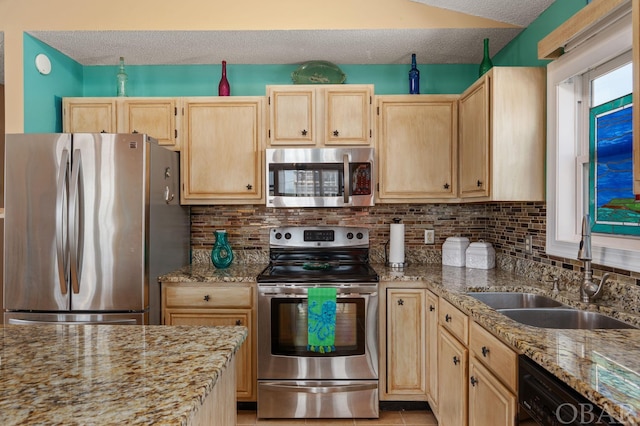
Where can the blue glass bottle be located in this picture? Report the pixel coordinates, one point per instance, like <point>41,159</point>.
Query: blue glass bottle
<point>414,77</point>
<point>221,254</point>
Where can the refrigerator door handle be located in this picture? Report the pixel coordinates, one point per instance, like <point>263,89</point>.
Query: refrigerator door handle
<point>74,221</point>
<point>61,218</point>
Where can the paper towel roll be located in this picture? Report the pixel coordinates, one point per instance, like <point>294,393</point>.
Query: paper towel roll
<point>396,244</point>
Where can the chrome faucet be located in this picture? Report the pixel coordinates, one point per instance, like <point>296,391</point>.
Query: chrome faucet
<point>589,290</point>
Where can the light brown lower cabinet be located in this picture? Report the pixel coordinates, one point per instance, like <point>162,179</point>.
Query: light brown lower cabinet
<point>490,402</point>
<point>452,380</point>
<point>216,305</point>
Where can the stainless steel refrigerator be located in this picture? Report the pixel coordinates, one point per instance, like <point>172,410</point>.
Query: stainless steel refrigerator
<point>91,221</point>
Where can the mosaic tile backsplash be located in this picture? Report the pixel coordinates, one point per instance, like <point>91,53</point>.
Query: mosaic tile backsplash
<point>505,225</point>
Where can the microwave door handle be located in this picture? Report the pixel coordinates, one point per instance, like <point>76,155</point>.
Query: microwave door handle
<point>61,220</point>
<point>347,178</point>
<point>74,232</point>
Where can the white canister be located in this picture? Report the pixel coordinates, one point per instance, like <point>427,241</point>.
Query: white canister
<point>453,251</point>
<point>481,255</point>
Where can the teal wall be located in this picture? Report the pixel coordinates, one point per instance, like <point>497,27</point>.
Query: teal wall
<point>43,94</point>
<point>523,50</point>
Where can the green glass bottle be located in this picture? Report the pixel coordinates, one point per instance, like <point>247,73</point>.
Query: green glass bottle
<point>486,63</point>
<point>122,79</point>
<point>221,254</point>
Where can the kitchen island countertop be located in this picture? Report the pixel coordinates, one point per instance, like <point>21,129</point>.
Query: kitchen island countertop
<point>110,374</point>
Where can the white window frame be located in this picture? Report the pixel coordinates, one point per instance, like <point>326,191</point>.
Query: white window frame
<point>566,202</point>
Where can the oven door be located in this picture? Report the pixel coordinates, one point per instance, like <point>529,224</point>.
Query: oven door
<point>282,334</point>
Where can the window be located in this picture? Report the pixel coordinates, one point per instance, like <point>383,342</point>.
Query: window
<point>578,85</point>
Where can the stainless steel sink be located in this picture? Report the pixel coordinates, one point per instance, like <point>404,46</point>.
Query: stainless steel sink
<point>564,318</point>
<point>510,300</point>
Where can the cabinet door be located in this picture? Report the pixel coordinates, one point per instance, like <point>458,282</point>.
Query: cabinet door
<point>222,154</point>
<point>245,372</point>
<point>406,342</point>
<point>432,350</point>
<point>292,115</point>
<point>474,141</point>
<point>89,115</point>
<point>417,147</point>
<point>155,117</point>
<point>348,115</point>
<point>490,402</point>
<point>452,389</point>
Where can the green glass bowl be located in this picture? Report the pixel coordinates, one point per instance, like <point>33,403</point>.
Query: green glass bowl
<point>318,72</point>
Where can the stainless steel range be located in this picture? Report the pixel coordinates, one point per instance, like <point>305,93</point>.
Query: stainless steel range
<point>294,379</point>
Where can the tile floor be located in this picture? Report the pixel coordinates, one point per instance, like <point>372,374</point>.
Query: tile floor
<point>389,418</point>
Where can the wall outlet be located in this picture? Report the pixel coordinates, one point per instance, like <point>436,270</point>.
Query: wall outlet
<point>528,244</point>
<point>429,236</point>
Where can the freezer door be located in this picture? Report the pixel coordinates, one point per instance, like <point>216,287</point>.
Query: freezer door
<point>35,244</point>
<point>107,210</point>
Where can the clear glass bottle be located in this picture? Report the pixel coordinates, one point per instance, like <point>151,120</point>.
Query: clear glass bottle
<point>486,63</point>
<point>223,86</point>
<point>221,254</point>
<point>122,79</point>
<point>414,77</point>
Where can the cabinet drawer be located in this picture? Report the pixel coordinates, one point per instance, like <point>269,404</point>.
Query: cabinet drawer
<point>207,296</point>
<point>497,356</point>
<point>454,320</point>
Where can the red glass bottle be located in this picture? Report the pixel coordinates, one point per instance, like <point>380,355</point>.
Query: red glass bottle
<point>223,86</point>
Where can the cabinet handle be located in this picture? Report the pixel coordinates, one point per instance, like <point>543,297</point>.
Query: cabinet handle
<point>336,133</point>
<point>238,322</point>
<point>485,351</point>
<point>103,131</point>
<point>134,131</point>
<point>400,302</point>
<point>432,308</point>
<point>456,360</point>
<point>249,186</point>
<point>206,298</point>
<point>446,186</point>
<point>474,381</point>
<point>447,318</point>
<point>303,133</point>
<point>479,183</point>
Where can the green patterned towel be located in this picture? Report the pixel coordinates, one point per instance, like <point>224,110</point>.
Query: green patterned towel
<point>321,319</point>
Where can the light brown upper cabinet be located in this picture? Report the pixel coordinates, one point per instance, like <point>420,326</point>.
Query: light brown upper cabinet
<point>320,115</point>
<point>157,117</point>
<point>502,136</point>
<point>223,150</point>
<point>417,147</point>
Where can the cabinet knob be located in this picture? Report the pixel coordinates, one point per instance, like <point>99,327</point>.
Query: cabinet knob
<point>400,302</point>
<point>447,318</point>
<point>474,381</point>
<point>238,322</point>
<point>479,183</point>
<point>303,132</point>
<point>249,186</point>
<point>456,360</point>
<point>446,186</point>
<point>134,131</point>
<point>206,298</point>
<point>432,308</point>
<point>485,351</point>
<point>103,131</point>
<point>336,133</point>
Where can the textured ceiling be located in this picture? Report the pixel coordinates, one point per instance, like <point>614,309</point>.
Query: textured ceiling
<point>389,46</point>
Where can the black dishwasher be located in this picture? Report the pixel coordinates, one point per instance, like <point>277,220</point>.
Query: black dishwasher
<point>551,402</point>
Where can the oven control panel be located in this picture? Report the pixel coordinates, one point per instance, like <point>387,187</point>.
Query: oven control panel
<point>319,236</point>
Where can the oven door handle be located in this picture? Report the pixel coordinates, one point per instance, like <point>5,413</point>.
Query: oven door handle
<point>284,387</point>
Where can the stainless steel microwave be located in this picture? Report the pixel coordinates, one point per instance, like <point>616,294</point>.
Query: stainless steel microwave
<point>320,177</point>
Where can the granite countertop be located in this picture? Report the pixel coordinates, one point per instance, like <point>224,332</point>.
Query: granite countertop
<point>602,365</point>
<point>110,374</point>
